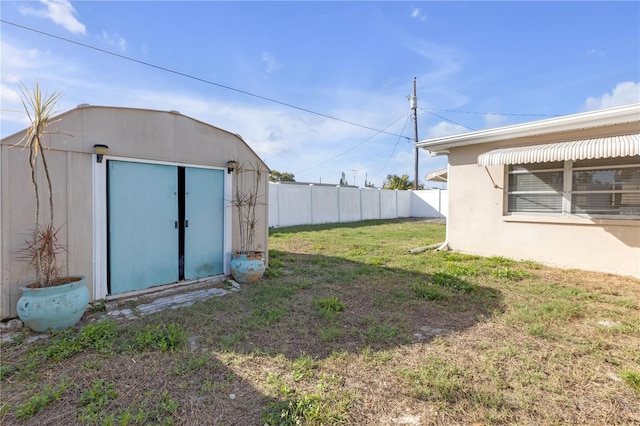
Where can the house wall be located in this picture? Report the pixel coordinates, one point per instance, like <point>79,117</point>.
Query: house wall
<point>130,134</point>
<point>477,222</point>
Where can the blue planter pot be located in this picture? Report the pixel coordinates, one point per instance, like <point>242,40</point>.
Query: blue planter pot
<point>247,267</point>
<point>53,308</point>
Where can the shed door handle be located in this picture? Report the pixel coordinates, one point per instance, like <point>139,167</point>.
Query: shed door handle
<point>186,223</point>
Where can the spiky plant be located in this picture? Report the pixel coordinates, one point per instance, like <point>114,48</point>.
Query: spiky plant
<point>42,248</point>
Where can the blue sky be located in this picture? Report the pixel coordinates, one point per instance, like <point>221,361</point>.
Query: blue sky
<point>354,61</point>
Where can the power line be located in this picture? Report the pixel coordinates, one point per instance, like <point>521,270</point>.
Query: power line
<point>491,113</point>
<point>446,119</point>
<point>355,146</point>
<point>396,145</point>
<point>202,80</point>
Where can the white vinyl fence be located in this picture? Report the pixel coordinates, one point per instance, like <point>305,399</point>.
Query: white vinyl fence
<point>292,203</point>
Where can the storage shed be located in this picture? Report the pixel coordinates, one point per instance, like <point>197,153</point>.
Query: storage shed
<point>155,209</point>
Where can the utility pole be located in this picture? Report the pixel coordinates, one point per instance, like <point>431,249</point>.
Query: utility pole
<point>354,174</point>
<point>414,106</point>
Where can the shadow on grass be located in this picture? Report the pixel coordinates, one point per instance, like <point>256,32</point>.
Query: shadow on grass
<point>320,305</point>
<point>307,309</point>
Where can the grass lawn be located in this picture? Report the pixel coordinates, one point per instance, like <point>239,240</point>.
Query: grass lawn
<point>348,327</point>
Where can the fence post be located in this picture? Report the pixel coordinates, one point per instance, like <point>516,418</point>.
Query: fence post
<point>339,207</point>
<point>311,201</point>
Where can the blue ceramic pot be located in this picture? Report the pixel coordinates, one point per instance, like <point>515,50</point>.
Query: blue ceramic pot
<point>247,267</point>
<point>53,308</point>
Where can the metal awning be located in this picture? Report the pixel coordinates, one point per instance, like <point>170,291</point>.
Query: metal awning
<point>607,147</point>
<point>437,176</point>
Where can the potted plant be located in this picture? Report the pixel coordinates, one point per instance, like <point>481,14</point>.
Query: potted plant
<point>50,301</point>
<point>247,263</point>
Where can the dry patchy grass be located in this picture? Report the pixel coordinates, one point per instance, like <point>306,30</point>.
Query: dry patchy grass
<point>349,328</point>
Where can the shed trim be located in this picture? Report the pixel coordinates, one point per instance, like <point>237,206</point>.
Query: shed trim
<point>606,147</point>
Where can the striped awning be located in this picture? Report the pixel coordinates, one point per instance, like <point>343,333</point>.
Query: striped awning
<point>608,147</point>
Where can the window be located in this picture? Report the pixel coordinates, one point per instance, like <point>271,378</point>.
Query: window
<point>603,187</point>
<point>536,188</point>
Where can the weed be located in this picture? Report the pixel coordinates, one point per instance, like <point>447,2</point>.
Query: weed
<point>94,399</point>
<point>556,310</point>
<point>7,371</point>
<point>317,408</point>
<point>460,270</point>
<point>93,365</point>
<point>459,257</point>
<point>376,358</point>
<point>329,307</point>
<point>632,378</point>
<point>99,336</point>
<point>330,333</point>
<point>493,400</point>
<point>304,283</point>
<point>190,365</point>
<point>265,315</point>
<point>97,306</point>
<point>36,403</point>
<point>429,291</point>
<point>500,261</point>
<point>303,367</point>
<point>381,333</point>
<point>437,380</point>
<point>168,404</point>
<point>274,380</point>
<point>625,303</point>
<point>511,274</point>
<point>532,264</point>
<point>228,341</point>
<point>164,337</point>
<point>451,282</point>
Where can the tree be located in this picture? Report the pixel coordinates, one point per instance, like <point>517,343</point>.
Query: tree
<point>399,182</point>
<point>343,180</point>
<point>368,184</point>
<point>276,176</point>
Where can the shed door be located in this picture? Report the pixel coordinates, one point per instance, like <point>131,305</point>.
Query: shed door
<point>143,232</point>
<point>204,223</point>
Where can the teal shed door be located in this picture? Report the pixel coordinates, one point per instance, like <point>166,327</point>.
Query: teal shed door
<point>165,224</point>
<point>204,223</point>
<point>143,232</point>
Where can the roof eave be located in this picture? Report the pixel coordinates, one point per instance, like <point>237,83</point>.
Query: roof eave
<point>599,118</point>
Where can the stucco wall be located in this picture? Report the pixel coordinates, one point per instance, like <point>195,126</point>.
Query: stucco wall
<point>478,222</point>
<point>130,134</point>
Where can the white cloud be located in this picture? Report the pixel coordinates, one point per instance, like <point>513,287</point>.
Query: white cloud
<point>444,128</point>
<point>271,62</point>
<point>494,120</point>
<point>14,57</point>
<point>59,11</point>
<point>417,14</point>
<point>624,93</point>
<point>9,94</point>
<point>595,52</point>
<point>114,40</point>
